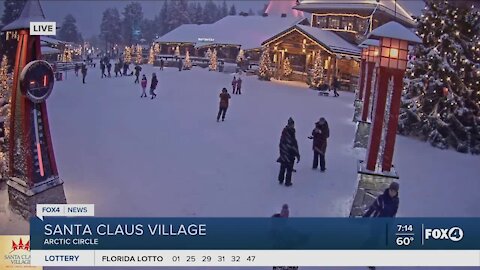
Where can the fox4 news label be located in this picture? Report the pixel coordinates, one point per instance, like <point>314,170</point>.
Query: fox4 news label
<point>96,241</point>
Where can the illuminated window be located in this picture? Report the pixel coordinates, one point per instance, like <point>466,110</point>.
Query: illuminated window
<point>347,23</point>
<point>322,21</point>
<point>394,53</point>
<point>334,23</point>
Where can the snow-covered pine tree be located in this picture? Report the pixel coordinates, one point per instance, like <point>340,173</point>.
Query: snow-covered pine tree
<point>187,64</point>
<point>264,71</point>
<point>286,69</point>
<point>315,77</point>
<point>441,99</point>
<point>213,61</point>
<point>151,56</point>
<point>5,82</point>
<point>139,56</point>
<point>240,56</point>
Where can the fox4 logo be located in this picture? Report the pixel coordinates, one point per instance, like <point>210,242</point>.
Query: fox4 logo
<point>454,234</point>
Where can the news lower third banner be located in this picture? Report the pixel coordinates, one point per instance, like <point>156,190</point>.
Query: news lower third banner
<point>90,241</point>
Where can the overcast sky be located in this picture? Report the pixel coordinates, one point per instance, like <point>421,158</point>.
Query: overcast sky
<point>89,12</point>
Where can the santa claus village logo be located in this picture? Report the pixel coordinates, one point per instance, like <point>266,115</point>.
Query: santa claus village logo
<point>19,253</point>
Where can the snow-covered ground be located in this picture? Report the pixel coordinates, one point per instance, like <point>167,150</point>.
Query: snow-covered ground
<point>169,157</point>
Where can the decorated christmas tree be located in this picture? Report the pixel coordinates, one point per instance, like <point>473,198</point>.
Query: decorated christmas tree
<point>187,64</point>
<point>264,71</point>
<point>441,99</point>
<point>151,56</point>
<point>139,56</point>
<point>315,77</point>
<point>5,83</point>
<point>213,61</point>
<point>156,49</point>
<point>127,55</point>
<point>286,69</point>
<point>240,56</point>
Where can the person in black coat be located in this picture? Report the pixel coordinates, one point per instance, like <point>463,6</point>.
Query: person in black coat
<point>386,205</point>
<point>138,68</point>
<point>180,64</point>
<point>335,86</point>
<point>125,68</point>
<point>153,86</point>
<point>162,64</point>
<point>84,71</point>
<point>109,69</point>
<point>288,152</point>
<point>319,136</point>
<point>102,68</point>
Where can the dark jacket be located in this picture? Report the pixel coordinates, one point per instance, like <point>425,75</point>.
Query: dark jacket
<point>137,70</point>
<point>224,100</point>
<point>84,69</point>
<point>384,206</point>
<point>154,83</point>
<point>239,83</point>
<point>320,135</point>
<point>288,146</point>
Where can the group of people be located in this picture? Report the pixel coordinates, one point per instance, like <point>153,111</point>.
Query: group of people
<point>237,85</point>
<point>83,68</point>
<point>289,152</point>
<point>225,97</point>
<point>153,85</point>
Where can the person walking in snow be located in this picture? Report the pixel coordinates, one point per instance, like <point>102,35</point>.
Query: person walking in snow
<point>239,85</point>
<point>153,86</point>
<point>288,152</point>
<point>319,136</point>
<point>386,205</point>
<point>162,64</point>
<point>144,86</point>
<point>335,86</point>
<point>125,68</point>
<point>180,64</point>
<point>138,68</point>
<point>84,72</point>
<point>109,68</point>
<point>102,68</point>
<point>224,102</point>
<point>77,68</point>
<point>234,84</point>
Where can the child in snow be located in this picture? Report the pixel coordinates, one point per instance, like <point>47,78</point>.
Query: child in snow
<point>109,69</point>
<point>153,86</point>
<point>224,97</point>
<point>234,84</point>
<point>144,86</point>
<point>138,68</point>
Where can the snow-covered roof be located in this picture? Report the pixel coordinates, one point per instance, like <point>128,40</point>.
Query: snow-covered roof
<point>32,12</point>
<point>52,41</point>
<point>48,50</point>
<point>328,39</point>
<point>387,6</point>
<point>394,30</point>
<point>370,42</point>
<point>246,31</point>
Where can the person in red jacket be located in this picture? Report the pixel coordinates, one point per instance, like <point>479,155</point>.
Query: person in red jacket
<point>319,136</point>
<point>224,100</point>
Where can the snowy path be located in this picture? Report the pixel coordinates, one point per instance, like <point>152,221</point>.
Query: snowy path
<point>169,157</point>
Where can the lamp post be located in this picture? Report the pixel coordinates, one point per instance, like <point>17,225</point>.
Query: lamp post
<point>376,174</point>
<point>370,81</point>
<point>370,53</point>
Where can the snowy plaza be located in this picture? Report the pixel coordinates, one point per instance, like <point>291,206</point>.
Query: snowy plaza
<point>169,157</point>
